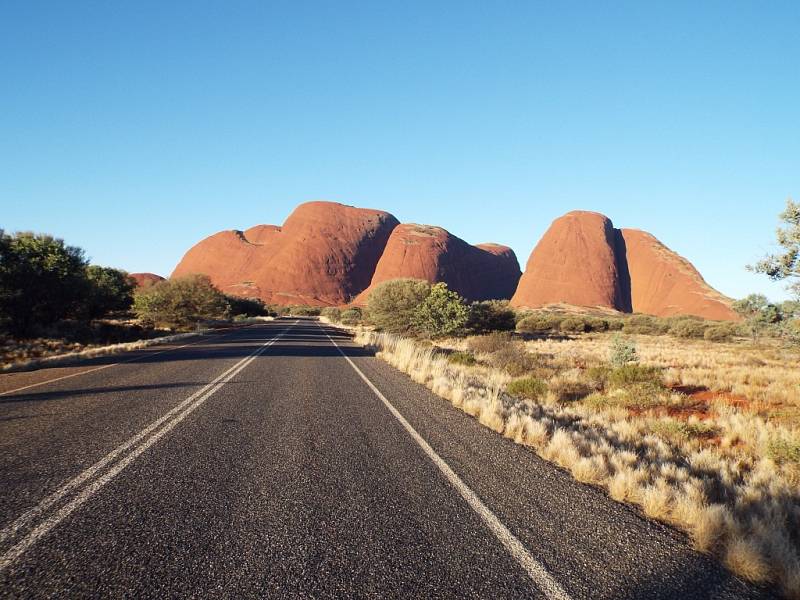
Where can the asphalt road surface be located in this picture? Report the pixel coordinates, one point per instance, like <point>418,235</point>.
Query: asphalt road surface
<point>283,461</point>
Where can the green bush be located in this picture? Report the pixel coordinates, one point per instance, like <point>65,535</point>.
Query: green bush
<point>486,344</point>
<point>248,307</point>
<point>531,388</point>
<point>332,313</point>
<point>574,325</point>
<point>42,280</point>
<point>645,324</point>
<point>688,328</point>
<point>443,312</point>
<point>305,311</point>
<point>180,303</point>
<point>108,290</point>
<point>622,351</point>
<point>597,377</point>
<point>632,374</point>
<point>597,324</point>
<point>461,358</point>
<point>720,333</point>
<point>539,323</point>
<point>491,315</point>
<point>392,303</point>
<point>351,316</point>
<point>615,324</point>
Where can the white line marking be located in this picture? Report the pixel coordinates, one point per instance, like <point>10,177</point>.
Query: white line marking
<point>193,402</point>
<point>536,570</point>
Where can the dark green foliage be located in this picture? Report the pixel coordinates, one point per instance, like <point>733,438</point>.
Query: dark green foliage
<point>180,303</point>
<point>634,373</point>
<point>461,358</point>
<point>491,315</point>
<point>688,327</point>
<point>305,311</point>
<point>645,324</point>
<point>531,388</point>
<point>574,325</point>
<point>42,280</point>
<point>539,323</point>
<point>392,303</point>
<point>249,307</point>
<point>443,312</point>
<point>108,290</point>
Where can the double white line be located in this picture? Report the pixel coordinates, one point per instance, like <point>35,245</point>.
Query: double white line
<point>39,520</point>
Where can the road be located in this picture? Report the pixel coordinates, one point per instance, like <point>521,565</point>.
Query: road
<point>283,461</point>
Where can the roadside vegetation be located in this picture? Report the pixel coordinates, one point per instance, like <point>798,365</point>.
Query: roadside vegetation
<point>696,422</point>
<point>53,302</point>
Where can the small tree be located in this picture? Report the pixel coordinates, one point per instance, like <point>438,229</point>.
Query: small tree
<point>180,303</point>
<point>42,280</point>
<point>392,303</point>
<point>758,313</point>
<point>443,312</point>
<point>491,315</point>
<point>108,290</point>
<point>785,264</point>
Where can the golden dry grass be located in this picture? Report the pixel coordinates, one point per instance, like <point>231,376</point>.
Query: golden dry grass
<point>723,469</point>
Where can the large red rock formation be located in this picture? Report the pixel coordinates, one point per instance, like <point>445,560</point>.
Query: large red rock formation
<point>574,263</point>
<point>145,280</point>
<point>434,254</point>
<point>324,253</point>
<point>583,261</point>
<point>664,283</point>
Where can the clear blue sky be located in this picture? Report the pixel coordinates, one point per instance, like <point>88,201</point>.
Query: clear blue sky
<point>134,129</point>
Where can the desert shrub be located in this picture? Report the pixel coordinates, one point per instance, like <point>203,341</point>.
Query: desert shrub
<point>305,311</point>
<point>392,303</point>
<point>615,324</point>
<point>632,374</point>
<point>566,390</point>
<point>574,325</point>
<point>597,377</point>
<point>332,313</point>
<point>645,324</point>
<point>443,312</point>
<point>42,280</point>
<point>597,324</point>
<point>108,290</point>
<point>531,388</point>
<point>461,358</point>
<point>539,323</point>
<point>720,333</point>
<point>783,450</point>
<point>622,351</point>
<point>486,344</point>
<point>180,303</point>
<point>687,328</point>
<point>514,359</point>
<point>351,316</point>
<point>491,315</point>
<point>248,307</point>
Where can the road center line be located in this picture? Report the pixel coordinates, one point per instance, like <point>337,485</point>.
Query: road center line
<point>183,409</point>
<point>536,570</point>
